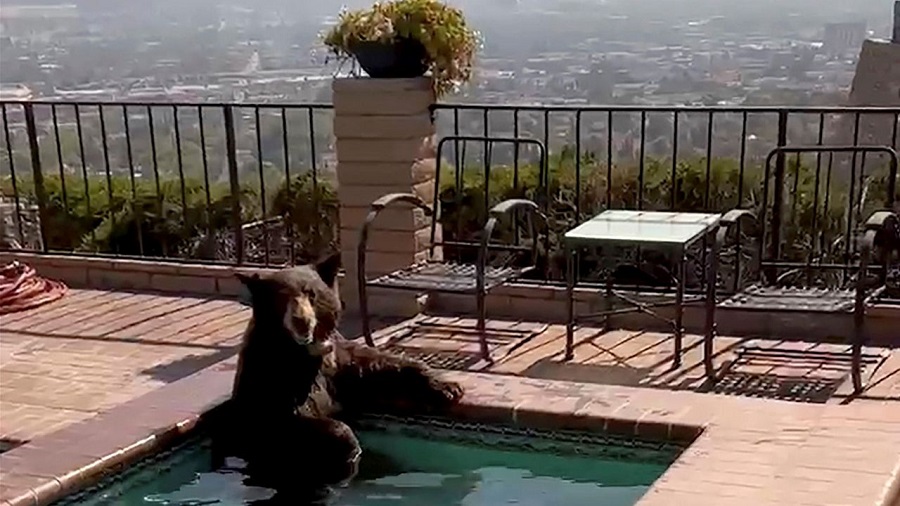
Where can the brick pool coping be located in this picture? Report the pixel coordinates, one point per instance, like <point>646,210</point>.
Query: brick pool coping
<point>739,450</point>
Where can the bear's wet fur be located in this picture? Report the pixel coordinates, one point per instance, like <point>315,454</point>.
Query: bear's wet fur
<point>297,375</point>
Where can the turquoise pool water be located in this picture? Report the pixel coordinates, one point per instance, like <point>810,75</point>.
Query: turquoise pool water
<point>418,464</point>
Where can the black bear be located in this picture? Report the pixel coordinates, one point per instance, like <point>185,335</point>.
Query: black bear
<point>296,373</point>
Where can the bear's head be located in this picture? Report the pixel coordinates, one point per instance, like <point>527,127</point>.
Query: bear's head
<point>299,303</point>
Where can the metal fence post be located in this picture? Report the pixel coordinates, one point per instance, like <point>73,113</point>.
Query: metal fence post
<point>37,172</point>
<point>231,153</point>
<point>778,196</point>
<point>895,38</point>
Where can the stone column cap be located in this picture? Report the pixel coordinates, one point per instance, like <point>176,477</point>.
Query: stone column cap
<point>369,85</point>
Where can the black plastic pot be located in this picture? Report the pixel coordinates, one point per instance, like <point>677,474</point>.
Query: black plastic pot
<point>391,60</point>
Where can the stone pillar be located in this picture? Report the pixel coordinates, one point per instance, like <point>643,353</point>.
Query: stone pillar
<point>385,144</point>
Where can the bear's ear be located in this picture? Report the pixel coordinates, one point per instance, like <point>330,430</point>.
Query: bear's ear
<point>252,282</point>
<point>328,268</point>
<point>247,279</point>
<point>247,287</point>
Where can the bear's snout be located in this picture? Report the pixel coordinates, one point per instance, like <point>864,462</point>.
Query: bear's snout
<point>300,320</point>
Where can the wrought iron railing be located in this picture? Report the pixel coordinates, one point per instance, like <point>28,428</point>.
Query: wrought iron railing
<point>214,182</point>
<point>684,159</point>
<point>254,183</point>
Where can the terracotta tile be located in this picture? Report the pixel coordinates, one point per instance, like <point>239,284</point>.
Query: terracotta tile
<point>150,316</point>
<point>624,420</point>
<point>620,426</point>
<point>48,492</point>
<point>70,306</point>
<point>189,396</point>
<point>683,433</point>
<point>28,498</point>
<point>562,413</point>
<point>664,497</point>
<point>797,448</point>
<point>43,461</point>
<point>650,426</point>
<point>103,435</point>
<point>75,480</point>
<point>490,409</point>
<point>17,488</point>
<point>85,317</point>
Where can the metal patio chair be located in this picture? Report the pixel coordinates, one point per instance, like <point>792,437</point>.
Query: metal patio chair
<point>879,237</point>
<point>437,276</point>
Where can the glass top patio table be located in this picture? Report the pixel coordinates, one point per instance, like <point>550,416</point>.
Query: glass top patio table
<point>642,227</point>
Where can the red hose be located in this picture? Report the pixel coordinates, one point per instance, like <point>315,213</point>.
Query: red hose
<point>21,288</point>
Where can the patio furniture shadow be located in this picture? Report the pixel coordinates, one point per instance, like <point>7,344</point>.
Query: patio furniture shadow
<point>812,375</point>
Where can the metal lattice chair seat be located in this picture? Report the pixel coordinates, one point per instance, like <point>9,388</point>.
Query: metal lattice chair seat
<point>850,301</point>
<point>447,277</point>
<point>774,298</point>
<point>878,241</point>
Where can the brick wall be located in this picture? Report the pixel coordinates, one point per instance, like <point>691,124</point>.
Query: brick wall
<point>138,275</point>
<point>517,301</point>
<point>385,142</point>
<point>529,302</point>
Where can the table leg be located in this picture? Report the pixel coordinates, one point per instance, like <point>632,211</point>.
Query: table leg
<point>712,271</point>
<point>608,303</point>
<point>570,303</point>
<point>679,309</point>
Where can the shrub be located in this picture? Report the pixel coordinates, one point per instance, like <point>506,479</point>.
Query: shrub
<point>173,219</point>
<point>182,220</point>
<point>809,226</point>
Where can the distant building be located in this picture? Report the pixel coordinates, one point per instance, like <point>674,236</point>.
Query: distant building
<point>50,11</point>
<point>31,20</point>
<point>875,83</point>
<point>17,92</point>
<point>842,38</point>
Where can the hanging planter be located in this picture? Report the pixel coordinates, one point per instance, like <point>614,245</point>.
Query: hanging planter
<point>407,38</point>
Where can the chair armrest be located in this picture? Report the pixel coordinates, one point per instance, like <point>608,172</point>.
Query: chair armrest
<point>408,198</point>
<point>882,230</point>
<point>495,214</point>
<point>374,209</point>
<point>508,205</point>
<point>883,225</point>
<point>732,217</point>
<point>883,220</point>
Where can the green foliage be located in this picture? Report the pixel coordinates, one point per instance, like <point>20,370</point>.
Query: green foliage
<point>178,219</point>
<point>183,219</point>
<point>311,210</point>
<point>810,226</point>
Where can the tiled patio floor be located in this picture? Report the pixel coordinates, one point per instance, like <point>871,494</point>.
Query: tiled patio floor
<point>95,350</point>
<point>644,359</point>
